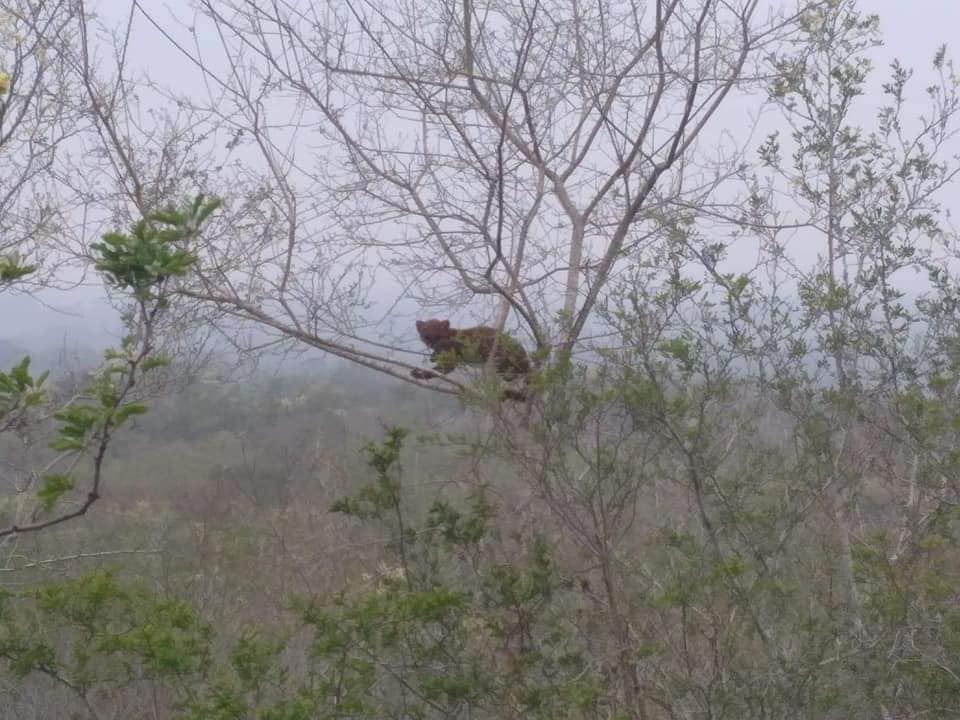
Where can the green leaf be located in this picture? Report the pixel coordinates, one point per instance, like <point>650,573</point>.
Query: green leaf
<point>52,488</point>
<point>142,259</point>
<point>128,410</point>
<point>152,363</point>
<point>77,423</point>
<point>11,268</point>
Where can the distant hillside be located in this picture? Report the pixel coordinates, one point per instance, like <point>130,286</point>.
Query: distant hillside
<point>49,355</point>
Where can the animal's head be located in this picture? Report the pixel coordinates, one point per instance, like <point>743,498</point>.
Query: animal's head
<point>433,331</point>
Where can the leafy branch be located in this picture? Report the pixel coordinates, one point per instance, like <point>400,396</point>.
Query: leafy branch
<point>141,262</point>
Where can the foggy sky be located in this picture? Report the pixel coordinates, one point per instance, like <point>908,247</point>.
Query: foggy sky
<point>911,29</point>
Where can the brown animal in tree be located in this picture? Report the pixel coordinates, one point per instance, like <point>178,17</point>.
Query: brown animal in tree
<point>453,347</point>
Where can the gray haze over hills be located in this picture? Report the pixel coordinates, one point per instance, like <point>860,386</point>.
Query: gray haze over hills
<point>57,326</point>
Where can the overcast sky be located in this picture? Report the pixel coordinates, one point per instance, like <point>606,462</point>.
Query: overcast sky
<point>912,30</point>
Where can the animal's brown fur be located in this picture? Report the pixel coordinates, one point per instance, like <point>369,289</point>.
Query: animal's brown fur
<point>453,347</point>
